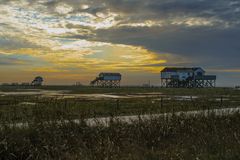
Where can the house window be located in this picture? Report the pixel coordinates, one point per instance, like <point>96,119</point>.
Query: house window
<point>199,73</point>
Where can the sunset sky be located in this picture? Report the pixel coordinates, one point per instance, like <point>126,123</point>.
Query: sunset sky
<point>66,41</point>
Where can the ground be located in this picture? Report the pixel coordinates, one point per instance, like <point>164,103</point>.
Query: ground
<point>48,136</point>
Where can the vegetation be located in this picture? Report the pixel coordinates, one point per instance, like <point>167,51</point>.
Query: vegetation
<point>28,108</point>
<point>22,108</point>
<point>48,136</point>
<point>190,138</point>
<point>131,90</point>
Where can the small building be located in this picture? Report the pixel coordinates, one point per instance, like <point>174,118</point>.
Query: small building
<point>107,80</point>
<point>6,84</point>
<point>78,84</point>
<point>25,84</point>
<point>37,81</point>
<point>195,77</point>
<point>15,84</point>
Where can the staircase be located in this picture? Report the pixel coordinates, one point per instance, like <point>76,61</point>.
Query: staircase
<point>92,83</point>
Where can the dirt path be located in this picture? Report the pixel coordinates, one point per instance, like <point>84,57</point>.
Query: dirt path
<point>129,119</point>
<point>105,121</point>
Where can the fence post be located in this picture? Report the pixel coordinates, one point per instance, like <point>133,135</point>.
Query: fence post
<point>117,104</point>
<point>161,102</point>
<point>221,101</point>
<point>65,103</point>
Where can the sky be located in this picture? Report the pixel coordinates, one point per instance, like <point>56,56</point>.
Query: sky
<point>68,41</point>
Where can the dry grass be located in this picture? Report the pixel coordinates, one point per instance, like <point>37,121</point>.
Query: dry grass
<point>190,138</point>
<point>177,138</point>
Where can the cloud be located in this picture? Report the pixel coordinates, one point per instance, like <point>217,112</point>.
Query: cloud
<point>107,34</point>
<point>101,57</point>
<point>14,60</point>
<point>9,42</point>
<point>203,45</point>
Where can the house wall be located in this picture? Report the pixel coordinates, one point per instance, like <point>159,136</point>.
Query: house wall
<point>184,75</point>
<point>168,75</point>
<point>199,71</point>
<point>181,74</point>
<point>111,77</point>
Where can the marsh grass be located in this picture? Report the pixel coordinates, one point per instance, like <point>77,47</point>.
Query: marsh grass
<point>200,137</point>
<point>31,108</point>
<point>130,90</point>
<point>174,138</point>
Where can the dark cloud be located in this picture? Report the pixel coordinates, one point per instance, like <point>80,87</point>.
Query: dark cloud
<point>216,43</point>
<point>15,43</point>
<point>11,60</point>
<point>144,9</point>
<point>213,47</point>
<point>212,44</point>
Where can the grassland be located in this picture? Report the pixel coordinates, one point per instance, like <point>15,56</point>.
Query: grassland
<point>199,137</point>
<point>177,138</point>
<point>29,107</point>
<point>132,90</point>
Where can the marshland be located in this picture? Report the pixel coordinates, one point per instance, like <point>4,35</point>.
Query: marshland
<point>56,119</point>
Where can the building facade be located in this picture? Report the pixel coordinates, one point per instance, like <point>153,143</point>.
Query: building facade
<point>37,81</point>
<point>173,77</point>
<point>107,80</point>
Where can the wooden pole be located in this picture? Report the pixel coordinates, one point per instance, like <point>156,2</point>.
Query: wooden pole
<point>161,102</point>
<point>221,101</point>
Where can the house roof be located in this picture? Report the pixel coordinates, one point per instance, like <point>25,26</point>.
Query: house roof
<point>38,78</point>
<point>182,69</point>
<point>109,74</point>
